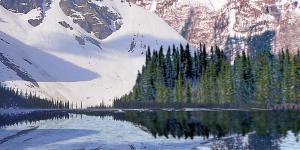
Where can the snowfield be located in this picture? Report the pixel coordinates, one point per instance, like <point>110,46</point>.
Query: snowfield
<point>50,55</point>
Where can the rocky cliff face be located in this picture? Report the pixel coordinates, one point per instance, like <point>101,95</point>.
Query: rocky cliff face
<point>102,21</point>
<point>236,25</point>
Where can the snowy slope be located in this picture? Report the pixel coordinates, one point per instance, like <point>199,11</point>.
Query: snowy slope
<point>63,68</point>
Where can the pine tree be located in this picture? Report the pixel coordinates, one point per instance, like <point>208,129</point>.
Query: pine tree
<point>179,88</point>
<point>286,78</point>
<point>188,64</point>
<point>196,65</point>
<point>176,63</point>
<point>247,79</point>
<point>169,70</point>
<point>205,88</point>
<point>294,79</point>
<point>188,93</point>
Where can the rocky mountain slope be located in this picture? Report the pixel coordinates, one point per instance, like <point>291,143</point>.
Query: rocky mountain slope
<point>234,25</point>
<point>77,50</point>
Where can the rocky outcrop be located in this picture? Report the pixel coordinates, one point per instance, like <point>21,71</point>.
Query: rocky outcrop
<point>65,24</point>
<point>21,6</point>
<point>25,6</point>
<point>82,41</point>
<point>102,21</point>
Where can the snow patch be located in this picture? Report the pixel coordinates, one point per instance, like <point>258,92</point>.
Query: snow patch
<point>153,5</point>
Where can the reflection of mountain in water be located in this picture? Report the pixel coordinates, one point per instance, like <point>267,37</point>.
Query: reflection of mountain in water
<point>231,129</point>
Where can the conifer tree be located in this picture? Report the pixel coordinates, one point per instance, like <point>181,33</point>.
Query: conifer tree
<point>286,77</point>
<point>188,93</point>
<point>179,88</point>
<point>188,64</point>
<point>169,70</point>
<point>263,79</point>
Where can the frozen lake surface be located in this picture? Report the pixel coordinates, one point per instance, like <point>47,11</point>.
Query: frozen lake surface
<point>134,130</point>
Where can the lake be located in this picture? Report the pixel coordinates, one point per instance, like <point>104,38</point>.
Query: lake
<point>149,130</point>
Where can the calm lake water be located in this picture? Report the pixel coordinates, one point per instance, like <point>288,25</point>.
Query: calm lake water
<point>133,130</point>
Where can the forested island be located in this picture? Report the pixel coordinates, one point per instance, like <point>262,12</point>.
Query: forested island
<point>181,78</point>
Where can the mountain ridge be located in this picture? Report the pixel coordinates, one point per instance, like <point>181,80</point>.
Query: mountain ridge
<point>72,63</point>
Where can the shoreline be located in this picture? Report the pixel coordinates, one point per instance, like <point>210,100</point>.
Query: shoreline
<point>20,111</point>
<point>117,110</point>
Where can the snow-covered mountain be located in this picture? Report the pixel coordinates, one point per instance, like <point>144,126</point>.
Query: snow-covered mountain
<point>233,24</point>
<point>78,50</point>
<point>90,50</point>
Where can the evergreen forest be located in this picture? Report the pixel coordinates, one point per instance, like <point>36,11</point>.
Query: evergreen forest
<point>11,98</point>
<point>208,77</point>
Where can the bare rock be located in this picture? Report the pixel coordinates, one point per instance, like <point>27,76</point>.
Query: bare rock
<point>99,20</point>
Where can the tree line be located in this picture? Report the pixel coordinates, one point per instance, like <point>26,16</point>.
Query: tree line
<point>201,77</point>
<point>11,98</point>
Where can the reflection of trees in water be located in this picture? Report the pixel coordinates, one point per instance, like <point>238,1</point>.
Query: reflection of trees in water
<point>10,119</point>
<point>38,115</point>
<point>262,130</point>
<point>214,124</point>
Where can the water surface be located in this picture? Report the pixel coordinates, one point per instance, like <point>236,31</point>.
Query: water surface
<point>150,130</point>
